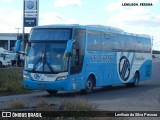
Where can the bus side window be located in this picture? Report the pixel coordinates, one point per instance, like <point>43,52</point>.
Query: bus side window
<point>119,43</point>
<point>122,43</point>
<point>126,43</point>
<point>94,41</point>
<point>75,61</point>
<point>139,46</point>
<point>146,45</point>
<point>107,41</point>
<point>75,58</point>
<point>130,43</point>
<point>147,48</point>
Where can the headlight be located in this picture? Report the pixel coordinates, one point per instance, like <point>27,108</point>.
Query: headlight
<point>61,78</point>
<point>26,76</point>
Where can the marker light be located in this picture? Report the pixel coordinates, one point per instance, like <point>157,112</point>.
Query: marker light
<point>61,78</point>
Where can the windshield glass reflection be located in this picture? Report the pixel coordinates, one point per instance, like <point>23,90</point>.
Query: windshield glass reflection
<point>46,57</point>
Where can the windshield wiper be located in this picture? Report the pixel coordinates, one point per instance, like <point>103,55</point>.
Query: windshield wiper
<point>38,61</point>
<point>45,60</point>
<point>49,66</point>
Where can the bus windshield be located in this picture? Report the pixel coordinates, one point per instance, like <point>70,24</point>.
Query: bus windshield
<point>46,57</point>
<point>50,34</point>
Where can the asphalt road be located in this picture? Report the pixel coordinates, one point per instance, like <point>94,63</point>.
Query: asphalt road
<point>144,97</point>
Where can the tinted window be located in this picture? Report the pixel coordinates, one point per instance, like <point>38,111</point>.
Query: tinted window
<point>107,41</point>
<point>146,45</point>
<point>130,43</point>
<point>119,43</point>
<point>78,51</point>
<point>94,41</point>
<point>139,45</point>
<point>80,37</point>
<point>50,34</point>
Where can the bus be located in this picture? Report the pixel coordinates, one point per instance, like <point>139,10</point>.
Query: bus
<point>83,57</point>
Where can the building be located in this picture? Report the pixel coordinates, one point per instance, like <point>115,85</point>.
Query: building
<point>7,40</point>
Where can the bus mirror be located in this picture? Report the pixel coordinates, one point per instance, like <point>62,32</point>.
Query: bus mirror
<point>18,45</point>
<point>68,54</point>
<point>69,46</point>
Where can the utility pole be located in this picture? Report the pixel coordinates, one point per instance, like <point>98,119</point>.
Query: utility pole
<point>18,30</point>
<point>152,45</point>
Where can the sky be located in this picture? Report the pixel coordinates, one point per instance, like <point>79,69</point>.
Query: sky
<point>133,19</point>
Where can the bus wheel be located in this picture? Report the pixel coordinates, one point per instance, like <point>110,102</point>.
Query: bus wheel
<point>89,85</point>
<point>136,79</point>
<point>0,64</point>
<point>135,82</point>
<point>52,92</point>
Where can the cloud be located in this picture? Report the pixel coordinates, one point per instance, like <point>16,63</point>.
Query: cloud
<point>71,21</point>
<point>132,15</point>
<point>11,20</point>
<point>50,18</point>
<point>55,18</point>
<point>64,3</point>
<point>6,0</point>
<point>147,23</point>
<point>134,19</point>
<point>114,6</point>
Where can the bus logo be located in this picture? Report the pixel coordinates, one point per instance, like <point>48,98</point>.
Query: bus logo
<point>37,76</point>
<point>124,68</point>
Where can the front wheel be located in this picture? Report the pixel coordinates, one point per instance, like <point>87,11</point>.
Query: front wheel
<point>89,85</point>
<point>52,92</point>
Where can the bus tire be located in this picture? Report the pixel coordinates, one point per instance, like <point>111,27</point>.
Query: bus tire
<point>89,85</point>
<point>52,92</point>
<point>136,79</point>
<point>135,82</point>
<point>0,64</point>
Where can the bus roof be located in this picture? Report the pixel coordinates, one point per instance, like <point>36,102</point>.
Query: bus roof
<point>93,27</point>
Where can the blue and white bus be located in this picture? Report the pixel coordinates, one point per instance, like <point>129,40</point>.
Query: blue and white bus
<point>79,58</point>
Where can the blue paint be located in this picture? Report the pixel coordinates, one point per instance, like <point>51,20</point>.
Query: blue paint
<point>102,63</point>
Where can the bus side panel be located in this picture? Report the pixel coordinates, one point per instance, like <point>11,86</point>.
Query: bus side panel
<point>125,67</point>
<point>97,71</point>
<point>146,70</point>
<point>143,63</point>
<point>102,65</point>
<point>109,74</point>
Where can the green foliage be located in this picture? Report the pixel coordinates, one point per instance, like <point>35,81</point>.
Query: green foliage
<point>77,104</point>
<point>17,104</point>
<point>11,80</point>
<point>43,105</point>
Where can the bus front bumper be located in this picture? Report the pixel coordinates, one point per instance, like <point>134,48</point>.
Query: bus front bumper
<point>62,85</point>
